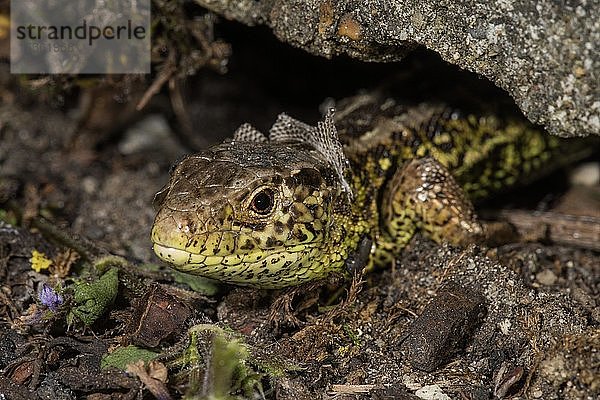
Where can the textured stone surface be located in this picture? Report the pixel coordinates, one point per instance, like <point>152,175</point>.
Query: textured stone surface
<point>543,53</point>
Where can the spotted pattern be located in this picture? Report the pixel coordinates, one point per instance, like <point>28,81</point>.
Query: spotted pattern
<point>206,225</point>
<point>411,168</point>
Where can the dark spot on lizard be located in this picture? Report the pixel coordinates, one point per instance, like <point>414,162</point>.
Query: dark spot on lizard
<point>248,245</point>
<point>308,177</point>
<point>290,224</point>
<point>278,225</point>
<point>301,236</point>
<point>255,226</point>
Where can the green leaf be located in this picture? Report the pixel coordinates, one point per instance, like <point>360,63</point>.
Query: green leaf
<point>124,356</point>
<point>199,284</point>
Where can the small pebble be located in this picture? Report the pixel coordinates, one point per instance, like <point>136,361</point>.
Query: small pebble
<point>146,134</point>
<point>432,392</point>
<point>90,184</point>
<point>546,277</point>
<point>587,174</point>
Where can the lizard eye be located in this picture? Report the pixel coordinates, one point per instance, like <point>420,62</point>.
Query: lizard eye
<point>262,203</point>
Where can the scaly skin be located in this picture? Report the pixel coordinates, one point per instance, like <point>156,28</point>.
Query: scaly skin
<point>276,214</point>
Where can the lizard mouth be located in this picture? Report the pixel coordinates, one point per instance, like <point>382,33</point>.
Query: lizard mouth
<point>190,262</point>
<point>171,255</point>
<point>271,268</point>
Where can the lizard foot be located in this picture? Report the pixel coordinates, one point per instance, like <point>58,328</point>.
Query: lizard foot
<point>424,196</point>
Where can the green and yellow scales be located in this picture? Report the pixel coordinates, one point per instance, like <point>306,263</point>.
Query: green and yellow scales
<point>309,201</point>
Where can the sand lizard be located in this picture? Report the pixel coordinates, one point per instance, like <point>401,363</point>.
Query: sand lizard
<point>308,201</point>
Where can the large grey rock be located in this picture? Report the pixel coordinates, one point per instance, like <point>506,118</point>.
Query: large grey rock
<point>544,53</point>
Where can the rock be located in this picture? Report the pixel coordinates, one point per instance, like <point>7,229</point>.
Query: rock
<point>546,277</point>
<point>443,328</point>
<point>587,174</point>
<point>432,392</point>
<point>151,132</point>
<point>542,53</point>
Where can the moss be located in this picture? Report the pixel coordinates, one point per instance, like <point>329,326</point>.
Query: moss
<point>124,356</point>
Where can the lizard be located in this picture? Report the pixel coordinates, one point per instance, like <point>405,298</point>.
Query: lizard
<point>309,201</point>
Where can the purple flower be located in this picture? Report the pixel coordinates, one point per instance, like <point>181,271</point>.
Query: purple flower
<point>50,298</point>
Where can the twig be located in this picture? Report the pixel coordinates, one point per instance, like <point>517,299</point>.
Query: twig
<point>575,230</point>
<point>163,77</point>
<point>352,389</point>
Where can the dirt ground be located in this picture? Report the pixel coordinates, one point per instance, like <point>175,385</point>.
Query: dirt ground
<point>520,320</point>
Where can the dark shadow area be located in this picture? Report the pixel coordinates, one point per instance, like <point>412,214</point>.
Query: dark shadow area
<point>266,77</point>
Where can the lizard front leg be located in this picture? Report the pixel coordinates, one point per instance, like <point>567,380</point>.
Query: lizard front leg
<point>424,196</point>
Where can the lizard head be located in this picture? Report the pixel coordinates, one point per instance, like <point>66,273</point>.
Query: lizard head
<point>251,212</point>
